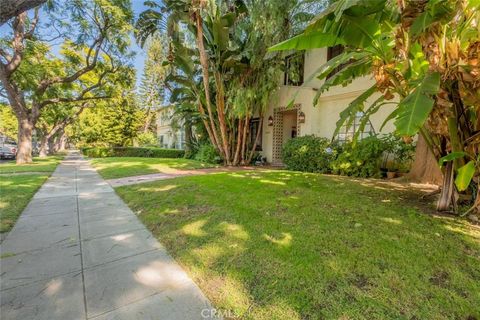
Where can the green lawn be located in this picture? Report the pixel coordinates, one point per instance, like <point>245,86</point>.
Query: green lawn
<point>39,165</point>
<point>283,245</point>
<point>119,167</point>
<point>18,184</point>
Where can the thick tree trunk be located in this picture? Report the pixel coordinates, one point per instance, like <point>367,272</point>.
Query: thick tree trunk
<point>62,141</point>
<point>425,167</point>
<point>57,141</point>
<point>51,145</point>
<point>43,146</point>
<point>25,130</point>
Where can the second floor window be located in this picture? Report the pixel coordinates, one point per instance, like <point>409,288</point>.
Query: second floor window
<point>294,68</point>
<point>332,52</point>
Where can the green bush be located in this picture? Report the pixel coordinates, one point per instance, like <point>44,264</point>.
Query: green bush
<point>400,153</point>
<point>152,152</point>
<point>309,154</point>
<point>147,139</point>
<point>207,153</point>
<point>362,159</point>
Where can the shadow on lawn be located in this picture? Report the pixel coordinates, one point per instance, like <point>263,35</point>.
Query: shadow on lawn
<point>303,246</point>
<point>121,167</point>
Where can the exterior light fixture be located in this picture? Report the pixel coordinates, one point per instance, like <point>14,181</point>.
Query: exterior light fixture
<point>301,117</point>
<point>270,121</point>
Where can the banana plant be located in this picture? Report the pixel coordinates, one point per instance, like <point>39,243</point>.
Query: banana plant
<point>423,56</point>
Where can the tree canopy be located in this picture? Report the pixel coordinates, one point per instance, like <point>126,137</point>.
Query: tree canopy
<point>94,37</point>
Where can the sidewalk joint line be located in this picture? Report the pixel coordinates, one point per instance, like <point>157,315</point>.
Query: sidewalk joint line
<point>81,250</point>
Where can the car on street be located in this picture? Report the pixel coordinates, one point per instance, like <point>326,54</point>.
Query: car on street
<point>8,147</point>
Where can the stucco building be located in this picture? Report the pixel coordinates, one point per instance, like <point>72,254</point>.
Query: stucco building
<point>170,133</point>
<point>301,84</point>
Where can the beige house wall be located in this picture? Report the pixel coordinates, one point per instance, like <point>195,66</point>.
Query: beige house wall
<point>173,137</point>
<point>320,120</point>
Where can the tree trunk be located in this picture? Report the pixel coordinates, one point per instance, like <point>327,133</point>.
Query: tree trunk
<point>43,146</point>
<point>25,130</point>
<point>239,141</point>
<point>57,141</point>
<point>62,141</point>
<point>221,117</point>
<point>206,83</point>
<point>51,144</point>
<point>257,137</point>
<point>447,199</point>
<point>425,167</point>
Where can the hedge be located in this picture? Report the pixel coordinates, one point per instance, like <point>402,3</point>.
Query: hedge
<point>152,152</point>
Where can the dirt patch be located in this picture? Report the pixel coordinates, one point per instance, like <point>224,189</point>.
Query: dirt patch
<point>440,278</point>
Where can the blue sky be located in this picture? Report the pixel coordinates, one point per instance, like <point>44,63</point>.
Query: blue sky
<point>139,60</point>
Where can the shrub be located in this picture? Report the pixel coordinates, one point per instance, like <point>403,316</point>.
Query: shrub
<point>152,152</point>
<point>362,159</point>
<point>207,153</point>
<point>400,153</point>
<point>147,139</point>
<point>309,154</point>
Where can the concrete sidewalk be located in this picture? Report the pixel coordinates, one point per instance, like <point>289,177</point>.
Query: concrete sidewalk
<point>78,252</point>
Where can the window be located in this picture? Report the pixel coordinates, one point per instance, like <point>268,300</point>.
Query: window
<point>346,134</point>
<point>254,127</point>
<point>332,52</point>
<point>294,69</point>
<point>161,141</point>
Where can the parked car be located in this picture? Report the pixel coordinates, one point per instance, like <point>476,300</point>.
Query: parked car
<point>8,148</point>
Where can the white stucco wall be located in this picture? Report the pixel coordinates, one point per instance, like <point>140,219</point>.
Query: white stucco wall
<point>321,119</point>
<point>172,138</point>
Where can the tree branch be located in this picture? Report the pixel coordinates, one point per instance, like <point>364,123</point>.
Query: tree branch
<point>12,8</point>
<point>17,44</point>
<point>95,47</point>
<point>33,25</point>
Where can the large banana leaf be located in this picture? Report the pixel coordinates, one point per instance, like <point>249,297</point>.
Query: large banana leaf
<point>365,118</point>
<point>339,60</point>
<point>307,41</point>
<point>415,108</point>
<point>465,175</point>
<point>360,32</point>
<point>345,76</point>
<point>347,116</point>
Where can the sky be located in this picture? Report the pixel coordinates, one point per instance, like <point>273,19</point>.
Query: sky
<point>139,60</point>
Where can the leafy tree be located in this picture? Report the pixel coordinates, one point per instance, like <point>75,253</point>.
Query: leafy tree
<point>52,123</point>
<point>8,121</point>
<point>95,40</point>
<point>152,87</point>
<point>112,122</point>
<point>227,75</point>
<point>424,58</point>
